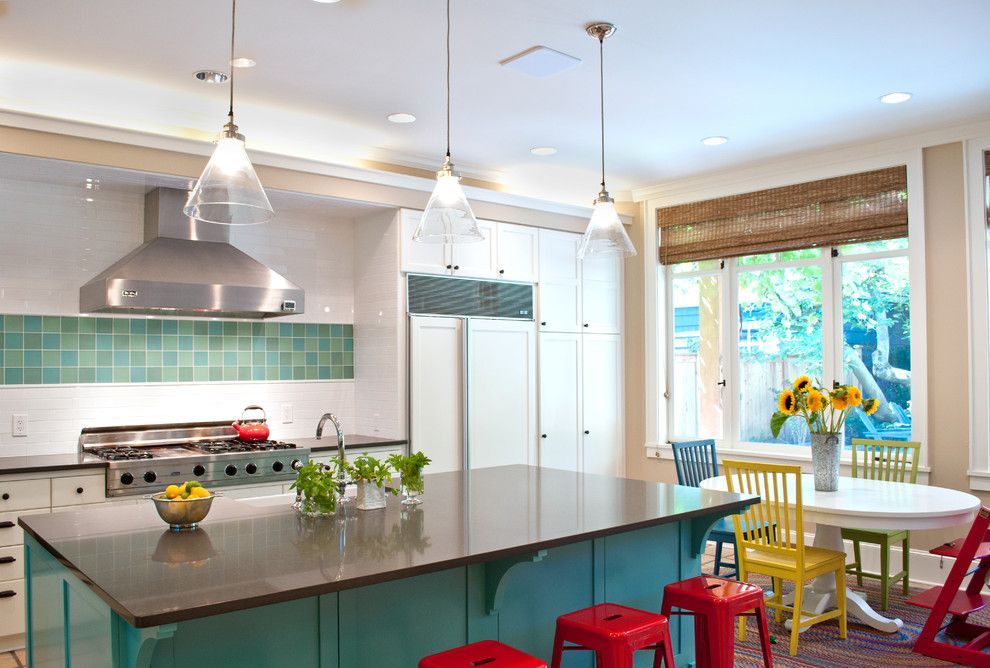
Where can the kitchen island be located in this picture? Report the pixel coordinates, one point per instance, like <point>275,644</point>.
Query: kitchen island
<point>493,553</point>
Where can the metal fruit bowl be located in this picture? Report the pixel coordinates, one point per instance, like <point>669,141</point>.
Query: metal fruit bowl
<point>182,514</point>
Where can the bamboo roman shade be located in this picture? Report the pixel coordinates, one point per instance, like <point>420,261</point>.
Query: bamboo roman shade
<point>869,206</point>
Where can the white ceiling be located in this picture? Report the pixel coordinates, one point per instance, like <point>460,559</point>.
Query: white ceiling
<point>776,76</point>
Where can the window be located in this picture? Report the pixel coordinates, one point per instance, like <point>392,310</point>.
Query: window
<point>838,315</point>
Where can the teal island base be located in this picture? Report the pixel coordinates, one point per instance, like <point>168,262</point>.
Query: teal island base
<point>514,599</point>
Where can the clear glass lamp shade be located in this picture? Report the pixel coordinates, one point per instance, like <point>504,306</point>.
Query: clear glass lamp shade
<point>448,217</point>
<point>228,191</point>
<point>606,234</point>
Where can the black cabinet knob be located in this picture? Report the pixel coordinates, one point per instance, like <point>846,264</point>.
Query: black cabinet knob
<point>230,470</point>
<point>544,323</point>
<point>79,490</point>
<point>126,478</point>
<point>456,267</point>
<point>585,324</point>
<point>8,593</point>
<point>501,271</point>
<point>251,468</point>
<point>150,476</point>
<point>5,496</point>
<point>7,560</point>
<point>586,431</point>
<point>450,266</point>
<point>278,466</point>
<point>6,524</point>
<point>543,435</point>
<point>199,469</point>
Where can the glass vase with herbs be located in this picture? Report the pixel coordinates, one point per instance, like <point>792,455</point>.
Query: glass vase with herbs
<point>410,470</point>
<point>316,489</point>
<point>371,475</point>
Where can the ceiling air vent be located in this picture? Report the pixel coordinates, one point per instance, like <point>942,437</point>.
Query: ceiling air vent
<point>540,62</point>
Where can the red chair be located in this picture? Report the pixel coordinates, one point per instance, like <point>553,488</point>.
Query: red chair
<point>614,633</point>
<point>487,653</point>
<point>715,603</point>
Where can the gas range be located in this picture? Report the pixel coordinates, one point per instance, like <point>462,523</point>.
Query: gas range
<point>146,458</point>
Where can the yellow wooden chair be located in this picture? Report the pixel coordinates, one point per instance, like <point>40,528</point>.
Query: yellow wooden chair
<point>896,461</point>
<point>773,553</point>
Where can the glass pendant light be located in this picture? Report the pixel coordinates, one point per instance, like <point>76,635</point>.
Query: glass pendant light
<point>228,191</point>
<point>448,217</point>
<point>605,234</point>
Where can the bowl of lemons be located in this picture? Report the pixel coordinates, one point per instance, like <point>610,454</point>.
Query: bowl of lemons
<point>183,506</point>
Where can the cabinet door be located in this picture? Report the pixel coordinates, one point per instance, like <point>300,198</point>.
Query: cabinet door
<point>517,252</point>
<point>602,403</point>
<point>501,392</point>
<point>436,353</point>
<point>476,259</point>
<point>560,400</point>
<point>601,295</point>
<point>421,258</point>
<point>560,282</point>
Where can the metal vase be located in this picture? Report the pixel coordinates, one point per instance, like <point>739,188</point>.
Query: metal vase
<point>370,496</point>
<point>826,451</point>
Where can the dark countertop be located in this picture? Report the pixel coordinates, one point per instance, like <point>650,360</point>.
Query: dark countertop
<point>42,463</point>
<point>249,554</point>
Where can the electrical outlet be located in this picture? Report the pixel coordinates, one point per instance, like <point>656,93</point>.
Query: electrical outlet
<point>19,424</point>
<point>286,413</point>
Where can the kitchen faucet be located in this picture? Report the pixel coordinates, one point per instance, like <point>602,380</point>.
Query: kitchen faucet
<point>342,475</point>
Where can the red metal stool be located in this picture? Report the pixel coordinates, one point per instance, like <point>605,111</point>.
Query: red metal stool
<point>487,653</point>
<point>614,633</point>
<point>715,603</point>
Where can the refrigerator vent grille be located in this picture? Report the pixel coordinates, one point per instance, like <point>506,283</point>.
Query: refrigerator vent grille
<point>465,297</point>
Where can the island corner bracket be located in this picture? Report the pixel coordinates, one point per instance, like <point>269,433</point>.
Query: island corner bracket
<point>496,571</point>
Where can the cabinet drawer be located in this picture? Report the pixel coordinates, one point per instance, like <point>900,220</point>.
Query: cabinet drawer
<point>10,533</point>
<point>11,607</point>
<point>78,489</point>
<point>12,562</point>
<point>24,494</point>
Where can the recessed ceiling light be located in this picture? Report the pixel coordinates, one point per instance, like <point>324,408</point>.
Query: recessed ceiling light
<point>400,116</point>
<point>716,140</point>
<point>543,150</point>
<point>895,98</point>
<point>243,62</point>
<point>326,2</point>
<point>211,76</point>
<point>89,199</point>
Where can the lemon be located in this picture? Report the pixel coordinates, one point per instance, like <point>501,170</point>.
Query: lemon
<point>172,491</point>
<point>198,493</point>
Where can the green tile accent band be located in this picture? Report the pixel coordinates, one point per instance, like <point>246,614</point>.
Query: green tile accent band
<point>51,350</point>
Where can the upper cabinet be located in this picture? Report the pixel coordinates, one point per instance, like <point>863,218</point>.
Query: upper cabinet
<point>518,252</point>
<point>601,295</point>
<point>478,259</point>
<point>575,295</point>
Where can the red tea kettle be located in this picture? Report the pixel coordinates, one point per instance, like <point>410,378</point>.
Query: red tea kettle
<point>252,430</point>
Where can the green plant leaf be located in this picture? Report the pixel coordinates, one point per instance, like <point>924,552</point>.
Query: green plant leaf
<point>777,422</point>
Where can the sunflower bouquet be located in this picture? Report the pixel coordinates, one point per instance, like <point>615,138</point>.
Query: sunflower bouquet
<point>824,410</point>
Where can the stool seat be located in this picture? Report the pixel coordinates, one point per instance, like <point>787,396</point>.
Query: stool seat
<point>487,653</point>
<point>715,603</point>
<point>614,632</point>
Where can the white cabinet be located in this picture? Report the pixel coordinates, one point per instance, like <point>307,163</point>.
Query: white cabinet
<point>560,282</point>
<point>12,608</point>
<point>602,403</point>
<point>501,392</point>
<point>78,490</point>
<point>421,258</point>
<point>436,354</point>
<point>560,400</point>
<point>517,252</point>
<point>24,494</point>
<point>601,295</point>
<point>475,259</point>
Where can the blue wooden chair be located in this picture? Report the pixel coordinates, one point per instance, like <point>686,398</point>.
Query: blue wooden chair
<point>695,461</point>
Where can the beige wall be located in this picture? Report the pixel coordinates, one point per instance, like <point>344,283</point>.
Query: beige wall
<point>947,330</point>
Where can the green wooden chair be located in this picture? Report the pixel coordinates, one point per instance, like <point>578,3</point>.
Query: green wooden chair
<point>896,461</point>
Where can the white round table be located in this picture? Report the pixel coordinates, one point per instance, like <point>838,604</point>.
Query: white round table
<point>869,504</point>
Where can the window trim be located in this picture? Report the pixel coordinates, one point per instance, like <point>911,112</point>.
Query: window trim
<point>979,313</point>
<point>782,173</point>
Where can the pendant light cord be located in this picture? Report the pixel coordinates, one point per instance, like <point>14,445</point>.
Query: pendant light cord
<point>448,78</point>
<point>601,91</point>
<point>233,28</point>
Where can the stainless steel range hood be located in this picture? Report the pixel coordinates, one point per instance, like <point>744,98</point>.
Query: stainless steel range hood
<point>186,267</point>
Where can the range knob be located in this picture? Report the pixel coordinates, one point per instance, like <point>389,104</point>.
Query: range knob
<point>199,469</point>
<point>230,470</point>
<point>278,466</point>
<point>150,476</point>
<point>251,468</point>
<point>296,464</point>
<point>126,478</point>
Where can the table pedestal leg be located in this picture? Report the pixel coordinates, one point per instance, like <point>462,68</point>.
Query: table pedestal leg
<point>819,596</point>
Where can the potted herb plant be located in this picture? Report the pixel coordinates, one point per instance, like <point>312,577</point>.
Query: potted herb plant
<point>825,412</point>
<point>316,489</point>
<point>410,470</point>
<point>371,475</point>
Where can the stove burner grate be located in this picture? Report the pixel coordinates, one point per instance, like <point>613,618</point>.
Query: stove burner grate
<point>237,445</point>
<point>121,453</point>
